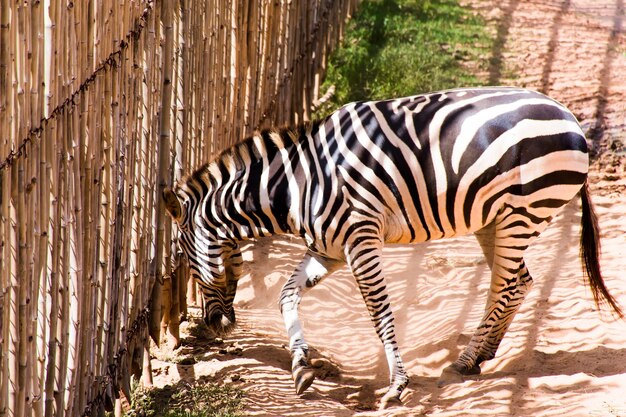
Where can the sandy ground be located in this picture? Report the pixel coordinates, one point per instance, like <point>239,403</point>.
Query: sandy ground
<point>561,357</point>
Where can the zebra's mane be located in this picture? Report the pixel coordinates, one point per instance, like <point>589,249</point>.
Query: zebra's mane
<point>289,135</point>
<point>246,150</point>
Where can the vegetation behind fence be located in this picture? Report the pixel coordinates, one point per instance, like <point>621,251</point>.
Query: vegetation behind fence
<point>101,105</point>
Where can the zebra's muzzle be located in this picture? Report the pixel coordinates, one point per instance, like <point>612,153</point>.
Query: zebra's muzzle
<point>220,323</point>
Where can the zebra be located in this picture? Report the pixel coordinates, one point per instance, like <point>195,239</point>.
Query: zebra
<point>497,162</point>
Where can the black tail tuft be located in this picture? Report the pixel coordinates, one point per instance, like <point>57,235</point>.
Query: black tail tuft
<point>590,252</point>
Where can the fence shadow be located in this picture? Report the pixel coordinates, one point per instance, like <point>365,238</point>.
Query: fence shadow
<point>552,46</point>
<point>496,61</point>
<point>596,131</point>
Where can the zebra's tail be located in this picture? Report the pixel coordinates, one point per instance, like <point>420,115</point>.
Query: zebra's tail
<point>589,253</point>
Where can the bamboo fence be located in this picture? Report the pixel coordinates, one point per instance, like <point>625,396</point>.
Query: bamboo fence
<point>102,104</point>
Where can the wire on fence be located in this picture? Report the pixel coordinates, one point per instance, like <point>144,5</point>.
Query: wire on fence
<point>289,74</point>
<point>69,102</point>
<point>140,323</point>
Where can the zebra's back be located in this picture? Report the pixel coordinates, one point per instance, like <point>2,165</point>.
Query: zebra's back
<point>444,164</point>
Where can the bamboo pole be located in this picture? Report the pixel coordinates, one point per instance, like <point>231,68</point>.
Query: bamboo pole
<point>27,233</point>
<point>18,190</point>
<point>55,158</point>
<point>107,218</point>
<point>12,289</point>
<point>98,207</point>
<point>5,184</point>
<point>148,183</point>
<point>39,208</point>
<point>164,155</point>
<point>41,272</point>
<point>74,146</point>
<point>87,234</point>
<point>53,281</point>
<point>64,221</point>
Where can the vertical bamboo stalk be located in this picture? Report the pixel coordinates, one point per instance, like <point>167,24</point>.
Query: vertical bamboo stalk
<point>231,128</point>
<point>63,137</point>
<point>186,78</point>
<point>252,71</point>
<point>38,213</point>
<point>146,376</point>
<point>163,166</point>
<point>206,69</point>
<point>74,208</point>
<point>186,90</point>
<point>117,192</point>
<point>126,175</point>
<point>129,78</point>
<point>12,294</point>
<point>223,85</point>
<point>166,303</point>
<point>201,29</point>
<point>107,212</point>
<point>182,287</point>
<point>5,224</point>
<point>174,320</point>
<point>18,338</point>
<point>99,203</point>
<point>53,280</point>
<point>146,187</point>
<point>53,216</point>
<point>41,269</point>
<point>147,183</point>
<point>76,293</point>
<point>209,66</point>
<point>177,152</point>
<point>88,243</point>
<point>45,197</point>
<point>62,335</point>
<point>29,297</point>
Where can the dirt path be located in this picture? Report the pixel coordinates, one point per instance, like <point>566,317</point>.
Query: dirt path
<point>560,357</point>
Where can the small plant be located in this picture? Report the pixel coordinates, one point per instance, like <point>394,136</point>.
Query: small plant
<point>188,400</point>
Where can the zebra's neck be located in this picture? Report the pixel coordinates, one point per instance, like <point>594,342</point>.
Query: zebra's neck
<point>251,184</point>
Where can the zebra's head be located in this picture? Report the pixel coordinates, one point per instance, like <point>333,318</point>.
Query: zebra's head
<point>214,263</point>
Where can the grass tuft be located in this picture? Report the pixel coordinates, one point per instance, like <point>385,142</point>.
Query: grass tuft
<point>188,400</point>
<point>396,48</point>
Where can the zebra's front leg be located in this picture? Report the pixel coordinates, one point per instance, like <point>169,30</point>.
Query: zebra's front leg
<point>311,270</point>
<point>365,260</point>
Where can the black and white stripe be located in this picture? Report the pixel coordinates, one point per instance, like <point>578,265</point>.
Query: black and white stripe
<point>500,162</point>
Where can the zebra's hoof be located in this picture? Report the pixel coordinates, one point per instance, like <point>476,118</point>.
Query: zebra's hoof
<point>455,374</point>
<point>303,378</point>
<point>390,400</point>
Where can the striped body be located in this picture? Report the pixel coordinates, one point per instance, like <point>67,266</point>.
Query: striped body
<point>435,166</point>
<point>499,162</point>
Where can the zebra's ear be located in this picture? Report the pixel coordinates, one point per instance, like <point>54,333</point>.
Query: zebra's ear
<point>172,204</point>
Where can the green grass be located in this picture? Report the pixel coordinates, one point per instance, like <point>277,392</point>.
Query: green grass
<point>395,48</point>
<point>188,400</point>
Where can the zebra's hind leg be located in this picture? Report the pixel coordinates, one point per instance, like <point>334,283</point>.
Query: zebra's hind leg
<point>311,270</point>
<point>505,298</point>
<point>510,282</point>
<point>365,259</point>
